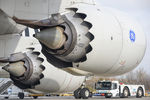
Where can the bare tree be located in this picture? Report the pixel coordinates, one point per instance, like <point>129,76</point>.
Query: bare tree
<point>130,78</point>
<point>139,77</point>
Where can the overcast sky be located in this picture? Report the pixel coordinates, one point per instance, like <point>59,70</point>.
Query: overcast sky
<point>140,10</point>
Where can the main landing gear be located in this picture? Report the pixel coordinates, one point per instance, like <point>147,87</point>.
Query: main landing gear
<point>83,93</point>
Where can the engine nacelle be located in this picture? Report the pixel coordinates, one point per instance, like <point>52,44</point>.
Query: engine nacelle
<point>119,44</point>
<point>100,40</point>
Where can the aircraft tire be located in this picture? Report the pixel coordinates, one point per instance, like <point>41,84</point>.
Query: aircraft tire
<point>125,93</point>
<point>21,95</point>
<point>85,93</point>
<point>77,94</point>
<point>139,93</point>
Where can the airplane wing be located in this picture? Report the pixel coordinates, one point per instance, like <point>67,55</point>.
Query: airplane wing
<point>30,9</point>
<point>11,10</point>
<point>4,74</point>
<point>8,26</point>
<point>36,9</point>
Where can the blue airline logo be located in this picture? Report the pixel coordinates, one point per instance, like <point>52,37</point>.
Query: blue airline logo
<point>132,36</point>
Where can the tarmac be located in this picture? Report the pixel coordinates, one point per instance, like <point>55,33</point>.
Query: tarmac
<point>72,98</point>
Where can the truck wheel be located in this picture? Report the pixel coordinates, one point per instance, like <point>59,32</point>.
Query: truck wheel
<point>77,94</point>
<point>139,93</point>
<point>125,93</point>
<point>35,97</point>
<point>85,93</point>
<point>21,95</point>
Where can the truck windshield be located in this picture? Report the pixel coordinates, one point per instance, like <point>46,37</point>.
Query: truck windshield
<point>103,86</point>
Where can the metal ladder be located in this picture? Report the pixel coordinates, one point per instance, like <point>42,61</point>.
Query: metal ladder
<point>5,84</point>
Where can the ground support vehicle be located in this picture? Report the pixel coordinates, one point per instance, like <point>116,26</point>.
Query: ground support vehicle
<point>115,89</point>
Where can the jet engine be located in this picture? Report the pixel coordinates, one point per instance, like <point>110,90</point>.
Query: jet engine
<point>100,40</point>
<point>30,70</point>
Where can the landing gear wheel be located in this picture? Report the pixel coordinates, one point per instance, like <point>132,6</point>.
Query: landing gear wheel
<point>85,93</point>
<point>139,93</point>
<point>21,95</point>
<point>35,97</point>
<point>107,96</point>
<point>125,93</point>
<point>77,94</point>
<point>6,97</point>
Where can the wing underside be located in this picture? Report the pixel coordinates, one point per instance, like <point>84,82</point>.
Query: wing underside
<point>8,26</point>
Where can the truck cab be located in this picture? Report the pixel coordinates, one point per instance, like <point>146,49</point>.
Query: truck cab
<point>107,88</point>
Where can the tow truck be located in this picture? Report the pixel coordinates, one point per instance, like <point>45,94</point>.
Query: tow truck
<point>116,89</point>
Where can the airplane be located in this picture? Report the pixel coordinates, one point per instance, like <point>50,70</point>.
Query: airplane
<point>73,39</point>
